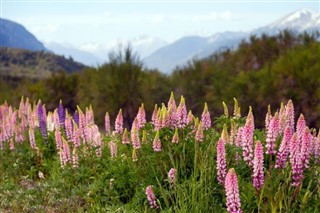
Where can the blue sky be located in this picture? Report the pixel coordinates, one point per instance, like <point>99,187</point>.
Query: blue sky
<point>80,22</point>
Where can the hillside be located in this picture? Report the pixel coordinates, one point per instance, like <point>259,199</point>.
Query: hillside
<point>36,65</point>
<point>15,35</point>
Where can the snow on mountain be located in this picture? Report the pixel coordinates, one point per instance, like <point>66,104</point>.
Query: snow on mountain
<point>178,53</point>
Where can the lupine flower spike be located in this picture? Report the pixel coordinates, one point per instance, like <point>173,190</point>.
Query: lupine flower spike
<point>151,198</point>
<point>258,174</point>
<point>199,133</point>
<point>247,138</point>
<point>125,138</point>
<point>221,161</point>
<point>175,138</point>
<point>283,152</point>
<point>172,176</point>
<point>232,192</point>
<point>182,113</point>
<point>119,123</point>
<point>107,123</point>
<point>205,118</point>
<point>156,143</point>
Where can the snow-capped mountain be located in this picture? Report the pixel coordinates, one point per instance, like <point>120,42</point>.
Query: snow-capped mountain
<point>178,53</point>
<point>298,21</point>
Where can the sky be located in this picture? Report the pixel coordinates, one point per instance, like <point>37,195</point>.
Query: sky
<point>80,22</point>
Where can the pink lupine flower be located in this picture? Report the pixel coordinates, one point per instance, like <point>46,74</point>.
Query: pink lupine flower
<point>156,143</point>
<point>58,138</point>
<point>182,113</point>
<point>233,132</point>
<point>306,147</point>
<point>135,138</point>
<point>125,138</point>
<point>232,192</point>
<point>172,176</point>
<point>75,159</point>
<point>113,149</point>
<point>205,118</point>
<point>98,143</point>
<point>154,115</point>
<point>282,119</point>
<point>258,175</point>
<point>221,161</point>
<point>119,123</point>
<point>76,135</point>
<point>65,152</point>
<point>171,113</point>
<point>301,125</point>
<point>107,123</point>
<point>199,133</point>
<point>272,134</point>
<point>32,138</point>
<point>56,120</point>
<point>175,138</point>
<point>284,148</point>
<point>141,116</point>
<point>268,117</point>
<point>151,198</point>
<point>296,161</point>
<point>238,140</point>
<point>157,123</point>
<point>11,144</point>
<point>247,139</point>
<point>190,117</point>
<point>68,127</point>
<point>289,114</point>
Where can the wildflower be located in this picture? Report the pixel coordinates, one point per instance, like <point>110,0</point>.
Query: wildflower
<point>190,117</point>
<point>156,143</point>
<point>134,155</point>
<point>232,192</point>
<point>135,138</point>
<point>172,176</point>
<point>221,161</point>
<point>42,120</point>
<point>199,133</point>
<point>76,117</point>
<point>175,138</point>
<point>284,148</point>
<point>154,115</point>
<point>119,122</point>
<point>125,138</point>
<point>141,116</point>
<point>268,117</point>
<point>151,198</point>
<point>296,161</point>
<point>182,113</point>
<point>238,140</point>
<point>61,113</point>
<point>40,175</point>
<point>272,134</point>
<point>205,118</point>
<point>258,175</point>
<point>32,138</point>
<point>75,159</point>
<point>306,143</point>
<point>289,114</point>
<point>171,113</point>
<point>247,139</point>
<point>236,109</point>
<point>113,149</point>
<point>301,125</point>
<point>107,123</point>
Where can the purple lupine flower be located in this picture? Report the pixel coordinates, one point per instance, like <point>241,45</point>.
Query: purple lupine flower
<point>272,134</point>
<point>157,143</point>
<point>247,139</point>
<point>258,175</point>
<point>289,114</point>
<point>182,113</point>
<point>205,118</point>
<point>301,125</point>
<point>119,123</point>
<point>154,115</point>
<point>125,138</point>
<point>232,192</point>
<point>221,161</point>
<point>107,123</point>
<point>306,143</point>
<point>199,133</point>
<point>76,117</point>
<point>61,113</point>
<point>151,198</point>
<point>172,176</point>
<point>284,148</point>
<point>296,161</point>
<point>42,121</point>
<point>175,138</point>
<point>113,149</point>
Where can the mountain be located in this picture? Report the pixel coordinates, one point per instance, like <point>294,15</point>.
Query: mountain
<point>178,53</point>
<point>79,55</point>
<point>15,35</point>
<point>20,63</point>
